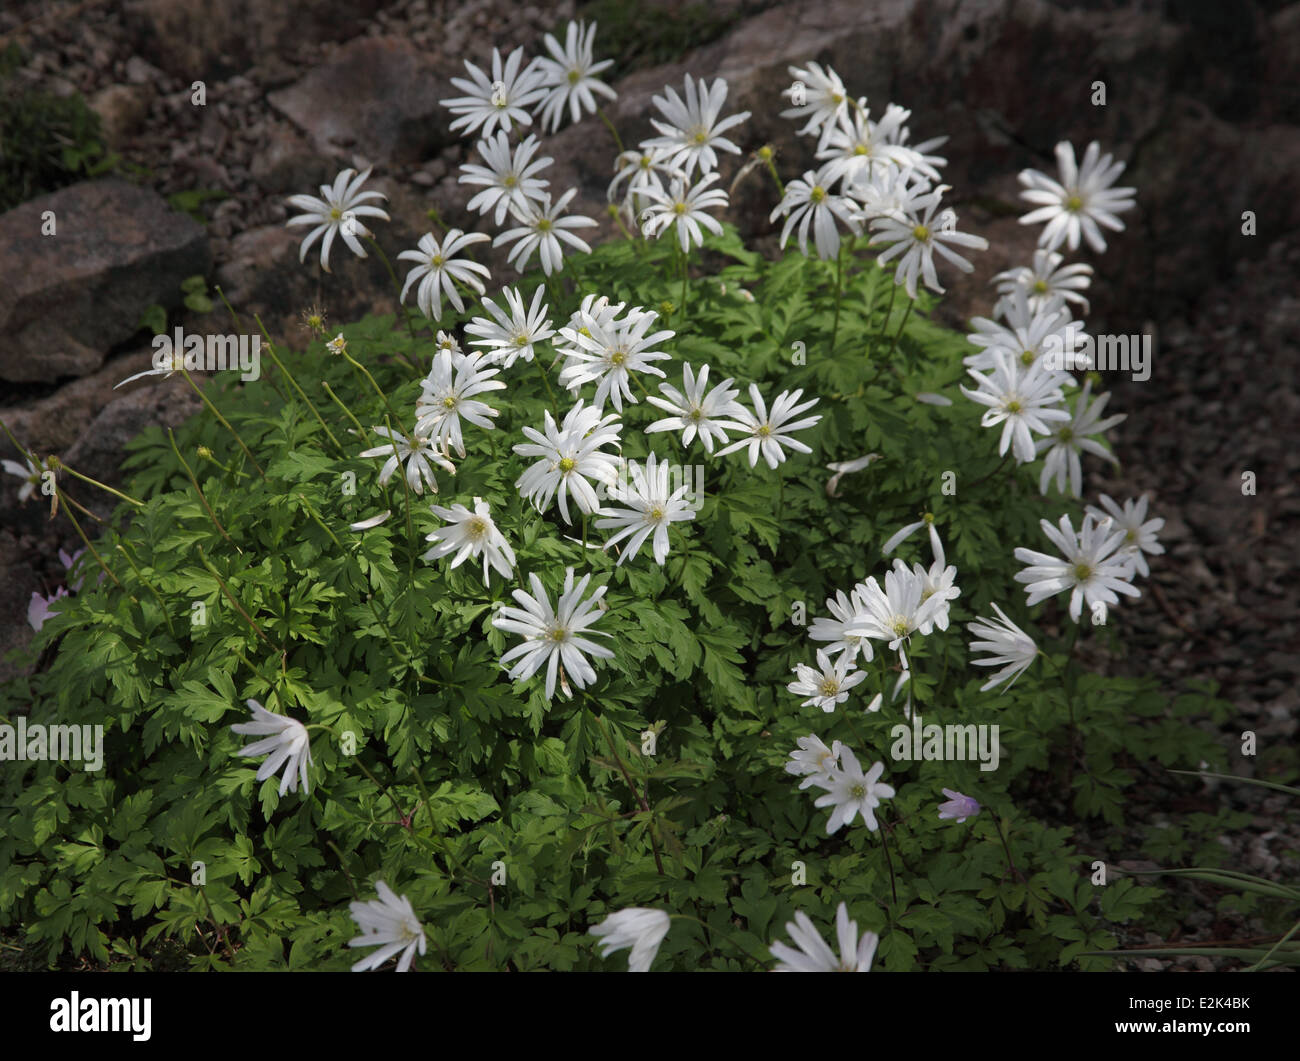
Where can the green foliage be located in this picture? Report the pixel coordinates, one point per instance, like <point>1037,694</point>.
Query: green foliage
<point>46,142</point>
<point>639,35</point>
<point>458,774</point>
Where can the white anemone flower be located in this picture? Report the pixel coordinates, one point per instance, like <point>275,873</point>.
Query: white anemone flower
<point>471,534</point>
<point>848,610</point>
<point>650,507</point>
<point>810,201</point>
<point>1081,203</point>
<point>854,145</point>
<point>697,411</point>
<point>31,474</point>
<point>645,171</point>
<point>818,95</point>
<point>1011,648</point>
<point>1091,566</point>
<point>1139,532</point>
<point>541,228</point>
<point>568,456</point>
<point>336,213</point>
<point>609,352</point>
<point>766,433</point>
<point>814,956</point>
<point>851,792</point>
<point>569,76</point>
<point>500,100</point>
<point>419,454</point>
<point>1045,280</point>
<point>894,614</point>
<point>636,927</point>
<point>449,394</point>
<point>390,924</point>
<point>813,759</point>
<point>915,237</point>
<point>554,637</point>
<point>513,332</point>
<point>692,134</point>
<point>1023,400</point>
<point>1047,333</point>
<point>684,209</point>
<point>509,179</point>
<point>828,683</point>
<point>438,270</point>
<point>285,742</point>
<point>1074,436</point>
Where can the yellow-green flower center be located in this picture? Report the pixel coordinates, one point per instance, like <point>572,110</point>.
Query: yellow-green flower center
<point>436,261</point>
<point>449,401</point>
<point>544,224</point>
<point>510,181</point>
<point>899,625</point>
<point>1026,357</point>
<point>336,214</point>
<point>655,515</point>
<point>1040,287</point>
<point>921,234</point>
<point>1082,572</point>
<point>1074,204</point>
<point>567,464</point>
<point>617,357</point>
<point>763,431</point>
<point>476,527</point>
<point>575,76</point>
<point>701,137</point>
<point>829,687</point>
<point>1014,406</point>
<point>817,195</point>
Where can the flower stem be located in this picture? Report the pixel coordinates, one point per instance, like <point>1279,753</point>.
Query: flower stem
<point>224,423</point>
<point>199,490</point>
<point>56,464</point>
<point>618,140</point>
<point>397,288</point>
<point>270,349</point>
<point>839,295</point>
<point>897,334</point>
<point>93,552</point>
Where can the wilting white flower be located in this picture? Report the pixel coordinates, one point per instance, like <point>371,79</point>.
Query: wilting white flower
<point>1139,532</point>
<point>766,434</point>
<point>569,76</point>
<point>1080,201</point>
<point>390,924</point>
<point>851,792</point>
<point>916,236</point>
<point>338,346</point>
<point>930,398</point>
<point>1023,400</point>
<point>285,742</point>
<point>540,229</point>
<point>696,412</point>
<point>848,611</point>
<point>810,200</point>
<point>825,99</point>
<point>568,455</point>
<point>609,352</point>
<point>335,213</point>
<point>843,468</point>
<point>448,394</point>
<point>813,759</point>
<point>936,546</point>
<point>692,135</point>
<point>650,506</point>
<point>511,335</point>
<point>1090,567</point>
<point>1044,281</point>
<point>683,210</point>
<point>636,927</point>
<point>471,534</point>
<point>31,474</point>
<point>502,99</point>
<point>554,637</point>
<point>814,956</point>
<point>958,806</point>
<point>438,268</point>
<point>1073,436</point>
<point>828,683</point>
<point>372,521</point>
<point>418,454</point>
<point>508,180</point>
<point>1010,645</point>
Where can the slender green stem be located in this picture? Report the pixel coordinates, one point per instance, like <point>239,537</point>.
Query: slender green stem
<point>270,349</point>
<point>397,288</point>
<point>406,491</point>
<point>910,303</point>
<point>149,586</point>
<point>224,422</point>
<point>231,597</point>
<point>618,140</point>
<point>889,862</point>
<point>93,551</point>
<point>546,379</point>
<point>1011,862</point>
<point>361,431</point>
<point>839,295</point>
<point>199,490</point>
<point>1259,965</point>
<point>722,932</point>
<point>378,390</point>
<point>685,274</point>
<point>56,464</point>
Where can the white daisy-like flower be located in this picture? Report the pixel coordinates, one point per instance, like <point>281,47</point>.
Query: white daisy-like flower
<point>645,171</point>
<point>569,76</point>
<point>1139,532</point>
<point>683,209</point>
<point>471,534</point>
<point>650,506</point>
<point>513,332</point>
<point>813,759</point>
<point>446,341</point>
<point>336,213</point>
<point>419,454</point>
<point>390,924</point>
<point>509,179</point>
<point>568,456</point>
<point>695,411</point>
<point>852,792</point>
<point>1012,648</point>
<point>1047,333</point>
<point>31,474</point>
<point>882,191</point>
<point>164,364</point>
<point>848,610</point>
<point>1091,566</point>
<point>814,956</point>
<point>1080,201</point>
<point>894,614</point>
<point>854,145</point>
<point>500,100</point>
<point>438,269</point>
<point>915,237</point>
<point>1073,436</point>
<point>541,228</point>
<point>636,927</point>
<point>609,352</point>
<point>1023,400</point>
<point>828,683</point>
<point>554,637</point>
<point>448,395</point>
<point>284,742</point>
<point>765,434</point>
<point>893,129</point>
<point>825,99</point>
<point>692,134</point>
<point>1044,281</point>
<point>810,201</point>
<point>338,346</point>
<point>938,581</point>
